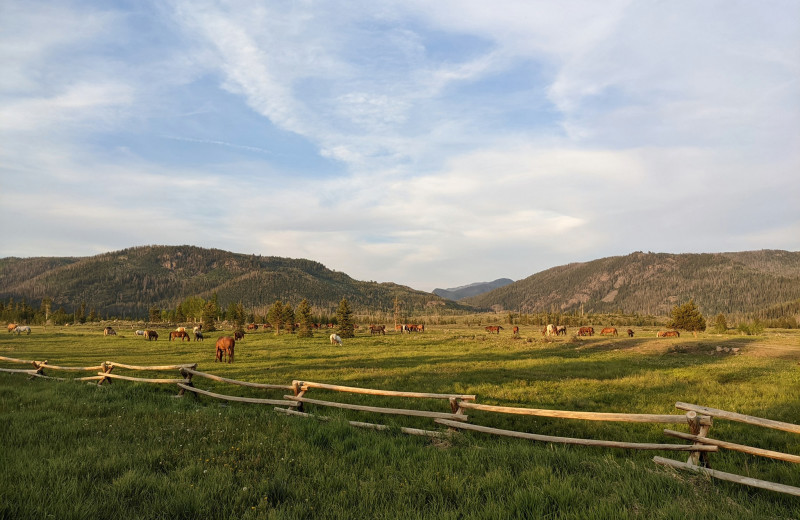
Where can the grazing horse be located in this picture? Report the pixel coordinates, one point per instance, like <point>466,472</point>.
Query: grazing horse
<point>139,333</point>
<point>515,330</point>
<point>180,329</point>
<point>198,328</point>
<point>561,329</point>
<point>630,333</point>
<point>586,331</point>
<point>238,335</point>
<point>494,329</point>
<point>151,335</point>
<point>668,334</point>
<point>609,330</point>
<point>179,334</point>
<point>252,326</point>
<point>108,331</point>
<point>198,336</point>
<point>12,326</point>
<point>336,340</point>
<point>377,329</point>
<point>550,330</point>
<point>19,329</point>
<point>225,346</point>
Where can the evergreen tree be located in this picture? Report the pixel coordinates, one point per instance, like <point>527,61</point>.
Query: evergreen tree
<point>304,319</point>
<point>288,318</point>
<point>209,316</point>
<point>720,324</point>
<point>155,314</point>
<point>687,317</point>
<point>344,317</point>
<point>275,316</point>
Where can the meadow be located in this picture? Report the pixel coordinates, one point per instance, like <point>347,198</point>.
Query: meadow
<point>133,450</point>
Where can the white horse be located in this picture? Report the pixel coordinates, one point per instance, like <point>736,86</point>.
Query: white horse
<point>336,340</point>
<point>139,333</point>
<point>22,328</point>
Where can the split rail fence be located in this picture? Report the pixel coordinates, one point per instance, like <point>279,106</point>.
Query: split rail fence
<point>698,419</point>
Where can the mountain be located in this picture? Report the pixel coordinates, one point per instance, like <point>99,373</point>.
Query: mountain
<point>128,283</point>
<point>473,289</point>
<point>653,283</point>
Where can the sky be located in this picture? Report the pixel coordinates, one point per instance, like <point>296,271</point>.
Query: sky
<point>427,143</point>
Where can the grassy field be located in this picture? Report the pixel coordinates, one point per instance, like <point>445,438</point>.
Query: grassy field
<point>130,450</point>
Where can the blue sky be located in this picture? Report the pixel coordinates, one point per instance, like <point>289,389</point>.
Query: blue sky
<point>432,144</point>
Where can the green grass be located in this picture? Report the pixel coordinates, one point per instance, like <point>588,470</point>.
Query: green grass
<point>128,450</point>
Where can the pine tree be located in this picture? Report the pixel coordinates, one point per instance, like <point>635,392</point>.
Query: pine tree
<point>344,317</point>
<point>304,319</point>
<point>720,324</point>
<point>687,317</point>
<point>288,318</point>
<point>209,317</point>
<point>275,316</point>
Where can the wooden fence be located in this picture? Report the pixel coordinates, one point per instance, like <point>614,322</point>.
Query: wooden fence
<point>698,419</point>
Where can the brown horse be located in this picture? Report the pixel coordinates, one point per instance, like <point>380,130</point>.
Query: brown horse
<point>179,334</point>
<point>377,329</point>
<point>151,335</point>
<point>515,330</point>
<point>225,346</point>
<point>609,330</point>
<point>12,326</point>
<point>630,333</point>
<point>668,334</point>
<point>238,335</point>
<point>586,331</point>
<point>494,329</point>
<point>252,326</point>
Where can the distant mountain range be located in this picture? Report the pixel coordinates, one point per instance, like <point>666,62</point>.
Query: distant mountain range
<point>653,283</point>
<point>473,289</point>
<point>128,283</point>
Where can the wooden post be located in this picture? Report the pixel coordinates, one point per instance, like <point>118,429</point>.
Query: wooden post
<point>107,368</point>
<point>297,388</point>
<point>188,377</point>
<point>697,458</point>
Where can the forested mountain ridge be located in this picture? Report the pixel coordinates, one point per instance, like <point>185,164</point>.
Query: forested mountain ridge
<point>653,283</point>
<point>129,282</point>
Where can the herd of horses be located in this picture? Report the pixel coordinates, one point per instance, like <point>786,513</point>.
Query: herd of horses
<point>561,330</point>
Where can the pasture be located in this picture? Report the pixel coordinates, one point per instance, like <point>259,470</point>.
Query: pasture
<point>132,450</point>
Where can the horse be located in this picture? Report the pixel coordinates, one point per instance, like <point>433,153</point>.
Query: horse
<point>19,329</point>
<point>224,347</point>
<point>609,330</point>
<point>377,329</point>
<point>12,326</point>
<point>139,333</point>
<point>198,328</point>
<point>561,329</point>
<point>668,334</point>
<point>550,330</point>
<point>515,330</point>
<point>252,326</point>
<point>179,334</point>
<point>494,329</point>
<point>630,333</point>
<point>151,335</point>
<point>336,340</point>
<point>238,335</point>
<point>198,336</point>
<point>108,331</point>
<point>180,329</point>
<point>586,331</point>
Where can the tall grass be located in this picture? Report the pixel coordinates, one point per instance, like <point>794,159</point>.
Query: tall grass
<point>127,450</point>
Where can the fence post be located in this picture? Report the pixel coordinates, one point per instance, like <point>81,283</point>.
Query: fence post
<point>698,458</point>
<point>297,388</point>
<point>107,368</point>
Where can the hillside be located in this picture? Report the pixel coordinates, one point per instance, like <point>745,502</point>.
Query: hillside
<point>473,289</point>
<point>130,282</point>
<point>653,283</point>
